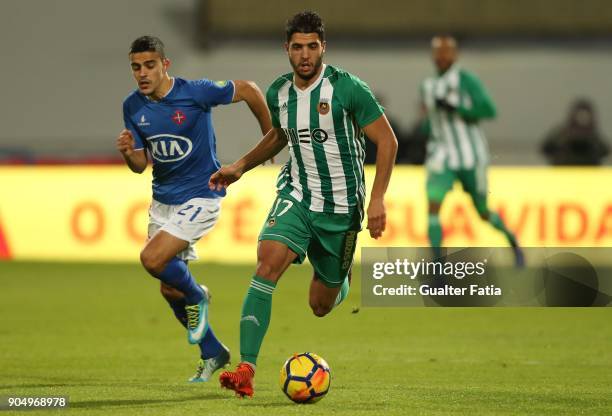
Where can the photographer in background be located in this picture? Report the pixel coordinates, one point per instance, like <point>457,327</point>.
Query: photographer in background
<point>577,142</point>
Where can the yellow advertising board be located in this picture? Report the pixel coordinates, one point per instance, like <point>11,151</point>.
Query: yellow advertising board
<point>100,213</point>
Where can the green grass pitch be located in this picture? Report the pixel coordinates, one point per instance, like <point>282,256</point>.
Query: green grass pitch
<point>102,335</point>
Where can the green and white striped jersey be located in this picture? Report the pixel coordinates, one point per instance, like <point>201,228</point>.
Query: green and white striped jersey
<point>456,140</point>
<point>323,125</point>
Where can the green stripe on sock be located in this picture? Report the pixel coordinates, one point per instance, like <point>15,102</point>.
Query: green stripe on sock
<point>264,282</point>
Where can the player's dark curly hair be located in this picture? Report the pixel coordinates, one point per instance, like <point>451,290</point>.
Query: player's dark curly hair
<point>148,44</point>
<point>306,22</point>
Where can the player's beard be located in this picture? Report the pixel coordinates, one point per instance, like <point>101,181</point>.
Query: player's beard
<point>315,69</point>
<point>443,67</point>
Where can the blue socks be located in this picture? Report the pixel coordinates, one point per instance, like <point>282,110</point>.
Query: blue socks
<point>178,306</point>
<point>177,275</point>
<point>210,346</point>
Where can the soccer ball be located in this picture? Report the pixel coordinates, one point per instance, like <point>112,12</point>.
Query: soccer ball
<point>305,378</point>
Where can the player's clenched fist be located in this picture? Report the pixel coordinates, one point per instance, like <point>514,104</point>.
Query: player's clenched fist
<point>377,218</point>
<point>125,142</point>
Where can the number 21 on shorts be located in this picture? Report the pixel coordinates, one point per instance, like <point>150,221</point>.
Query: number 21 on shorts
<point>187,208</point>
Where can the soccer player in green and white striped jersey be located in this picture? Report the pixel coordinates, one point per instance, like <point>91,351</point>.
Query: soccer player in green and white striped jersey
<point>322,113</point>
<point>455,101</point>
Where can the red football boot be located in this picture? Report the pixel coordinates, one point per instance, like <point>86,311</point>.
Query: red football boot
<point>241,380</point>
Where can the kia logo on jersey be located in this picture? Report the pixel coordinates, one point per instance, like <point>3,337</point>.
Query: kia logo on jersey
<point>169,148</point>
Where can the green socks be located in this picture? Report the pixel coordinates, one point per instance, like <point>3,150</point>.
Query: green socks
<point>256,311</point>
<point>434,231</point>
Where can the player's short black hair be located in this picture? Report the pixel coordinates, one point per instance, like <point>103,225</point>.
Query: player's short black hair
<point>306,22</point>
<point>148,44</point>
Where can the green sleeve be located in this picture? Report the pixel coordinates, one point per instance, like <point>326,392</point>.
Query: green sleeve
<point>362,103</point>
<point>482,104</point>
<point>272,100</point>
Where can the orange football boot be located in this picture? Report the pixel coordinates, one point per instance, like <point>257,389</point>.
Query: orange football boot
<point>241,380</point>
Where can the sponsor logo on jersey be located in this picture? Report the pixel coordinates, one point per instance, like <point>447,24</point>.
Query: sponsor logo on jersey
<point>296,137</point>
<point>179,117</point>
<point>283,108</point>
<point>143,121</point>
<point>220,83</point>
<point>169,148</point>
<point>319,135</point>
<point>271,222</point>
<point>323,107</point>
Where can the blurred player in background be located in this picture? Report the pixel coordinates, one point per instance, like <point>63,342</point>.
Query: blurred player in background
<point>170,119</point>
<point>321,112</point>
<point>456,101</point>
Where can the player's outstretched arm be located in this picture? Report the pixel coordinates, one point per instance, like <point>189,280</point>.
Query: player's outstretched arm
<point>269,146</point>
<point>249,92</point>
<point>135,159</point>
<point>381,133</point>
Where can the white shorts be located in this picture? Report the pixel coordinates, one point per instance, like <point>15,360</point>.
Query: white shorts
<point>189,221</point>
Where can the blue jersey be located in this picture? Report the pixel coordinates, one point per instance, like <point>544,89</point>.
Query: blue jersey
<point>178,133</point>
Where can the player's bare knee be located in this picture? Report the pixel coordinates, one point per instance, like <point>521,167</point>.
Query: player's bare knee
<point>268,271</point>
<point>153,264</point>
<point>319,308</point>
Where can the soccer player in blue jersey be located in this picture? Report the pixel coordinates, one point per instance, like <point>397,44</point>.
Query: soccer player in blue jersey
<point>169,119</point>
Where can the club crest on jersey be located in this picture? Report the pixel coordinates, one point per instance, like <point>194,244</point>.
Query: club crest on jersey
<point>143,121</point>
<point>169,148</point>
<point>179,117</point>
<point>323,107</point>
<point>271,222</point>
